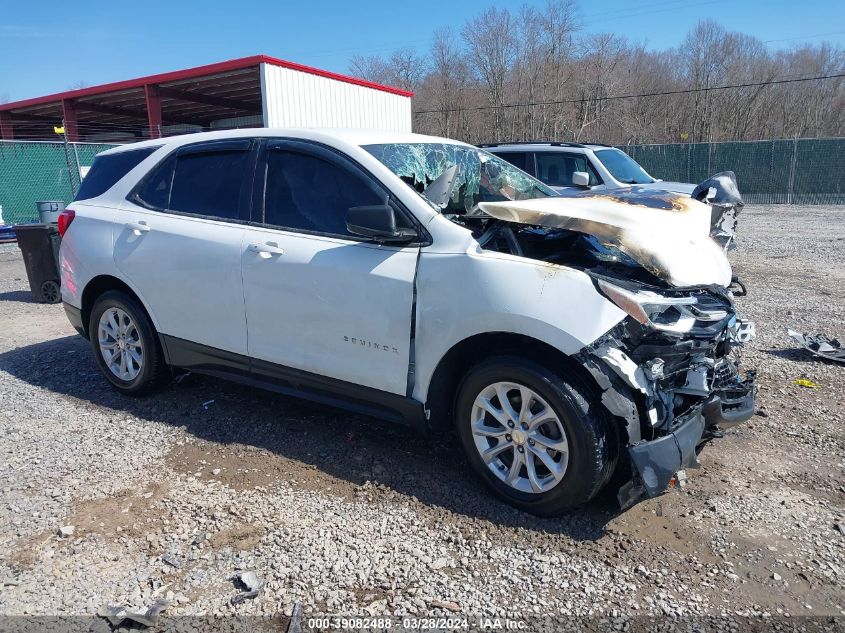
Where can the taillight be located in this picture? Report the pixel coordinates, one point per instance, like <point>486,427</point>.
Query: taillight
<point>65,218</point>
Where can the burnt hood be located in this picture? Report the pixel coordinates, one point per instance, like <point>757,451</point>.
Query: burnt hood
<point>666,233</point>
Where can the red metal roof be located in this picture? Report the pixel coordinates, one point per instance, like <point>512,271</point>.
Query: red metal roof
<point>199,71</point>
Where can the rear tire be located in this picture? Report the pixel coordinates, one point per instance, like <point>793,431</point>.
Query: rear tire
<point>125,345</point>
<point>561,430</point>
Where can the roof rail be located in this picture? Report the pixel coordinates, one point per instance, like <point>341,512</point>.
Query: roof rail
<point>599,144</point>
<point>550,143</point>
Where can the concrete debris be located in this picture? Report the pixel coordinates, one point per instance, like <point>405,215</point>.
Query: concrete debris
<point>117,614</point>
<point>819,345</point>
<point>295,624</point>
<point>251,583</point>
<point>172,561</point>
<point>449,605</point>
<point>66,531</point>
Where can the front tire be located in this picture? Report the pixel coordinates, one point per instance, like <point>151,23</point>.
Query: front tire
<point>539,439</point>
<point>125,345</point>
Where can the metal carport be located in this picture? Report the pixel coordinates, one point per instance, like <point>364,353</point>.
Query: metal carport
<point>247,92</point>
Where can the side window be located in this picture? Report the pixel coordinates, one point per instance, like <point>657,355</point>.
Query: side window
<point>155,191</point>
<point>310,193</point>
<point>199,180</point>
<point>556,168</point>
<point>518,159</point>
<point>209,183</point>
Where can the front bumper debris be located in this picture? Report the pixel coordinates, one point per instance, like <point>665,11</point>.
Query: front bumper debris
<point>658,464</point>
<point>732,404</point>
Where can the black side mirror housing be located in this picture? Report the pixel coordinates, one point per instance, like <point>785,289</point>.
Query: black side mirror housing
<point>378,222</point>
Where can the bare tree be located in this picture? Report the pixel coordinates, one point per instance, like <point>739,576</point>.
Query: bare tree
<point>491,42</point>
<point>448,82</point>
<point>530,76</point>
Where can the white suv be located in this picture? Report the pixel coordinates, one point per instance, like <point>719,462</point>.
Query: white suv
<point>576,166</point>
<point>420,280</point>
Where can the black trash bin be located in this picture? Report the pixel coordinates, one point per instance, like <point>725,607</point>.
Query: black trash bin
<point>39,244</point>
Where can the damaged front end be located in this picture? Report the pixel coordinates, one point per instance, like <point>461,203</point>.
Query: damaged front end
<point>670,369</point>
<point>671,372</point>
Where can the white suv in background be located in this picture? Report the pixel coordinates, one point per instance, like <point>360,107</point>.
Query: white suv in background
<point>574,166</point>
<point>420,280</point>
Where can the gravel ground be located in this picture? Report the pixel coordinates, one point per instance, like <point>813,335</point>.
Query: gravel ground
<point>171,495</point>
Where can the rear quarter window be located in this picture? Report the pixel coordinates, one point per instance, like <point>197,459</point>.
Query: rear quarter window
<point>107,169</point>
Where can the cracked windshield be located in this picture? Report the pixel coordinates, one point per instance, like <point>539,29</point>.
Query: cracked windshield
<point>481,177</point>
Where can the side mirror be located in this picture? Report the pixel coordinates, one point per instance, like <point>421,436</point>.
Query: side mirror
<point>580,179</point>
<point>377,222</point>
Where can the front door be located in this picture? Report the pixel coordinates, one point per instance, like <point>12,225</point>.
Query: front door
<point>319,299</point>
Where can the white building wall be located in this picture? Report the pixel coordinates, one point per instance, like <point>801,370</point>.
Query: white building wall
<point>292,98</point>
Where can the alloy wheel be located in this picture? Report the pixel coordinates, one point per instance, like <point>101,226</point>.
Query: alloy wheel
<point>120,344</point>
<point>519,437</point>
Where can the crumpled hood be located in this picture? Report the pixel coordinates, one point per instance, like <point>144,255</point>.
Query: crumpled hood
<point>668,234</point>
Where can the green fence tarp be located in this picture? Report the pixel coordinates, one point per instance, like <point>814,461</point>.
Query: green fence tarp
<point>790,171</point>
<point>31,171</point>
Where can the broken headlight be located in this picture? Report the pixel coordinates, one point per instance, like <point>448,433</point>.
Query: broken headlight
<point>677,315</point>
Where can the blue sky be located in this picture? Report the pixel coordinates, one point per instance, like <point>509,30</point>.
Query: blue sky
<point>47,46</point>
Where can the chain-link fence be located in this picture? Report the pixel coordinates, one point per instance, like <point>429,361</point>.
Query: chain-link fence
<point>799,171</point>
<point>32,170</point>
<point>791,171</point>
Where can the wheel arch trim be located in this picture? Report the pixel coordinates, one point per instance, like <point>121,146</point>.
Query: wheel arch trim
<point>453,365</point>
<point>100,284</point>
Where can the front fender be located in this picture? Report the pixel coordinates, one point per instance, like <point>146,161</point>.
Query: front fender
<point>479,292</point>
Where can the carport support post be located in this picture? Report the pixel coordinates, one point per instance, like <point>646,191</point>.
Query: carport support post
<point>7,130</point>
<point>69,116</point>
<point>153,99</point>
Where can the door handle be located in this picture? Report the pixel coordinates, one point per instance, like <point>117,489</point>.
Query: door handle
<point>138,227</point>
<point>266,250</point>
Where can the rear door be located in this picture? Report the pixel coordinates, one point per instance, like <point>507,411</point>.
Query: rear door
<point>319,299</point>
<point>178,241</point>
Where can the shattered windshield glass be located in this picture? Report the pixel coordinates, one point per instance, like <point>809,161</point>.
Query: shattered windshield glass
<point>481,177</point>
<point>623,167</point>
